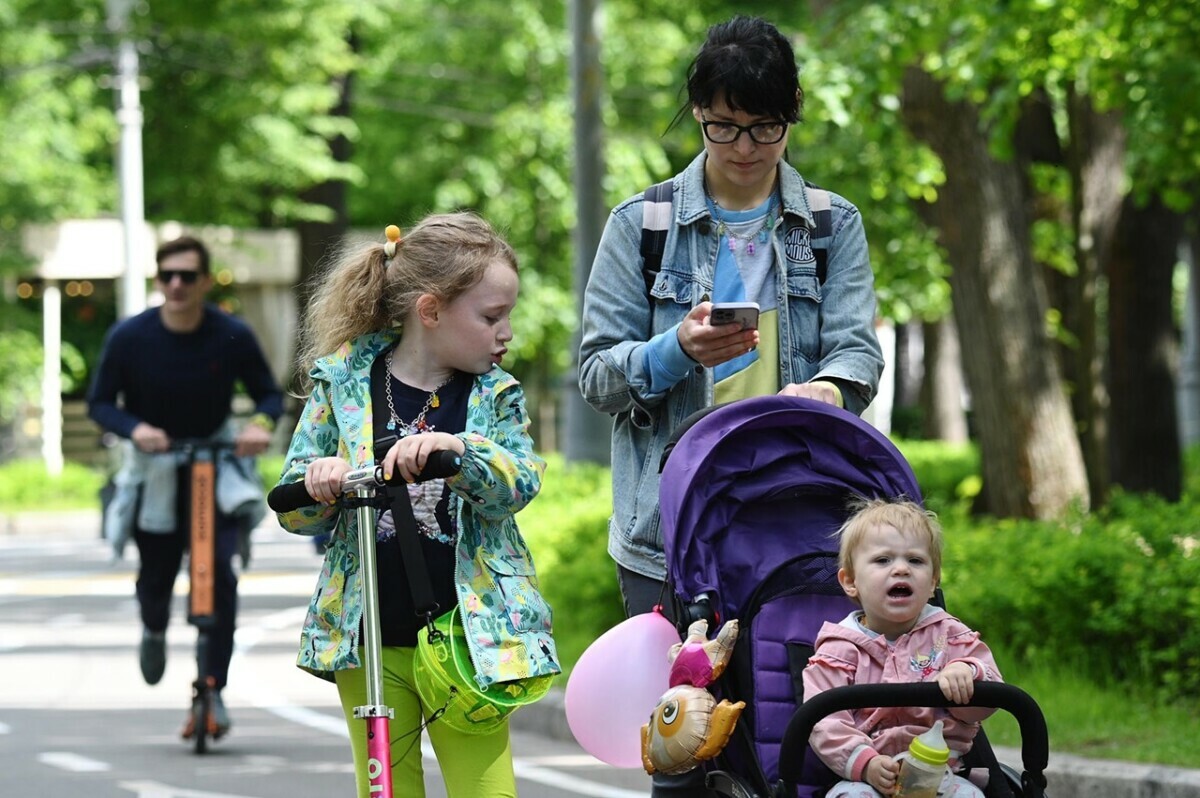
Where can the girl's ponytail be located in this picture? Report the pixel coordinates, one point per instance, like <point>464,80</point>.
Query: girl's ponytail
<point>345,300</point>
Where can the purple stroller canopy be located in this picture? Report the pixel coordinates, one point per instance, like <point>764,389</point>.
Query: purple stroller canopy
<point>759,481</point>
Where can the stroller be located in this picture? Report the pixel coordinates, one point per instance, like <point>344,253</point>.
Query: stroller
<point>751,496</point>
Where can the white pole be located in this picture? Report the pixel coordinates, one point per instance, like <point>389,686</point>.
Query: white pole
<point>129,162</point>
<point>52,378</point>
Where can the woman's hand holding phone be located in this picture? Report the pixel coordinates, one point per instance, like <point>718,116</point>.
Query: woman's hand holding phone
<point>711,344</point>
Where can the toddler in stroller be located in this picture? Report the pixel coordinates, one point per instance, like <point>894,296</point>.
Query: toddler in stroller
<point>753,494</point>
<point>889,564</point>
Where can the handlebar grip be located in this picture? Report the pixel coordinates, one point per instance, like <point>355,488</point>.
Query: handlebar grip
<point>292,496</point>
<point>439,465</point>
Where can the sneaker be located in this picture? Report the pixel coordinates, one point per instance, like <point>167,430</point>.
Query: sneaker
<point>220,717</point>
<point>152,655</point>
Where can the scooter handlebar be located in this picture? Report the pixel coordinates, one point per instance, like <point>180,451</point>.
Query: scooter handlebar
<point>293,495</point>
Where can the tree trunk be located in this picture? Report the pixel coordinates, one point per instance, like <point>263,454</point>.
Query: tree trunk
<point>908,367</point>
<point>588,435</point>
<point>317,239</point>
<point>1096,163</point>
<point>1143,350</point>
<point>942,387</point>
<point>1032,465</point>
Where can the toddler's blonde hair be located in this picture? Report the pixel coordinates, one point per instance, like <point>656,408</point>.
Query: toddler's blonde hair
<point>903,514</point>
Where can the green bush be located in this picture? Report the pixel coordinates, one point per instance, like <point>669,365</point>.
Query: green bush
<point>947,473</point>
<point>1114,594</point>
<point>270,466</point>
<point>566,527</point>
<point>26,485</point>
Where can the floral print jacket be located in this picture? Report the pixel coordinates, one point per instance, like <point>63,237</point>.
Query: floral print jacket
<point>507,622</point>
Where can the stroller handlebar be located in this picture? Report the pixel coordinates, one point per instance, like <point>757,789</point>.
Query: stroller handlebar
<point>1035,745</point>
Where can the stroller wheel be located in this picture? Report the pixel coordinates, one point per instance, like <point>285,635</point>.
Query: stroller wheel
<point>729,784</point>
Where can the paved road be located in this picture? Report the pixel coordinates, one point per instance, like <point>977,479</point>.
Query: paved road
<point>77,720</point>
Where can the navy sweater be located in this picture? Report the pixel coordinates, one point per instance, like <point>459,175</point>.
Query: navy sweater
<point>182,383</point>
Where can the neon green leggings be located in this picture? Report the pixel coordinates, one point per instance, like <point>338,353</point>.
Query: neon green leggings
<point>472,765</point>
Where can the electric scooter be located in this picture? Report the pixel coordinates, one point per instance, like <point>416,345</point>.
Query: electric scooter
<point>201,725</point>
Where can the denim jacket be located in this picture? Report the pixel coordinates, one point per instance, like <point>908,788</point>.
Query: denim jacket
<point>146,484</point>
<point>507,621</point>
<point>826,331</point>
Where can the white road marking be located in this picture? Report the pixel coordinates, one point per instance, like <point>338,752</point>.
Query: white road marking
<point>64,760</point>
<point>153,789</point>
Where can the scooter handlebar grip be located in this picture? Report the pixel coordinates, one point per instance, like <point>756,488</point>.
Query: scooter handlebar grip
<point>292,496</point>
<point>441,464</point>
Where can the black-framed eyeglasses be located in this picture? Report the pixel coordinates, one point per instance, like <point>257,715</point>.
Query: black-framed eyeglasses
<point>186,276</point>
<point>759,132</point>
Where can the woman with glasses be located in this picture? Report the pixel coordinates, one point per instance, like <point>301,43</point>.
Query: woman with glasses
<point>740,226</point>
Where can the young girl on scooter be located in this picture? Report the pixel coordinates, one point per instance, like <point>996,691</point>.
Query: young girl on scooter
<point>428,313</point>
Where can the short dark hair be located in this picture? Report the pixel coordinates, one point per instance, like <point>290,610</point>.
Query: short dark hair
<point>183,244</point>
<point>752,65</point>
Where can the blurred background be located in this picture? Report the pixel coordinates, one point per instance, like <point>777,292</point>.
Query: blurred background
<point>1026,171</point>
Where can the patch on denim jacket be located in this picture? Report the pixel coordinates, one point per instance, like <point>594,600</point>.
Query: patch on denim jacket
<point>797,246</point>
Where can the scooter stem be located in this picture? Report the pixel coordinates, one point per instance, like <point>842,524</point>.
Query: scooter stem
<point>375,713</point>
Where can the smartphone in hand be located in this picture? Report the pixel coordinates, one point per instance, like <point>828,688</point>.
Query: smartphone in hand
<point>744,313</point>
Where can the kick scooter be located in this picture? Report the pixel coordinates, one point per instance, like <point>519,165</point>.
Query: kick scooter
<point>201,725</point>
<point>362,489</point>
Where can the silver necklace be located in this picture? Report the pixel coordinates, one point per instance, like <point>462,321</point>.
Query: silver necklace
<point>760,233</point>
<point>417,424</point>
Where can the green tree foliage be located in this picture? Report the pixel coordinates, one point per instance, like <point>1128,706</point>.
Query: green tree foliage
<point>237,107</point>
<point>56,130</point>
<point>459,104</point>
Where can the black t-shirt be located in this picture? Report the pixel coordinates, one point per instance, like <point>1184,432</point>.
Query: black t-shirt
<point>437,529</point>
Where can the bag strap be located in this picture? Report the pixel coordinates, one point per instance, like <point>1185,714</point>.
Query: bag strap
<point>657,217</point>
<point>822,212</point>
<point>656,221</point>
<point>411,555</point>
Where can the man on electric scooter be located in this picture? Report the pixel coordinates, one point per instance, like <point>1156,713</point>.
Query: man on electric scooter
<point>174,368</point>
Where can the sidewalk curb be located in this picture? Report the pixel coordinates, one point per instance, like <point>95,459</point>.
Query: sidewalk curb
<point>1067,776</point>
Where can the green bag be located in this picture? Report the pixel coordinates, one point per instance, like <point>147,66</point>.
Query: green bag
<point>445,681</point>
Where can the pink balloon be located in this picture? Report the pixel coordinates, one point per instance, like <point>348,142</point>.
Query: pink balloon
<point>616,684</point>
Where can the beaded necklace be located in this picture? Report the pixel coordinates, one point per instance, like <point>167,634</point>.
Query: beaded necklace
<point>417,424</point>
<point>761,233</point>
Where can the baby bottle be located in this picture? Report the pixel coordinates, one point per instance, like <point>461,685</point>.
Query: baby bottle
<point>922,770</point>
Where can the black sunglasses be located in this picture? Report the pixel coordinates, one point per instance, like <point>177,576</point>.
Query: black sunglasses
<point>165,276</point>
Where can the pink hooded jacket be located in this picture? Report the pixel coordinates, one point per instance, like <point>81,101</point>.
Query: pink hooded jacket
<point>846,741</point>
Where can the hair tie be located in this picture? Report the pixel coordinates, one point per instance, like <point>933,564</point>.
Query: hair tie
<point>393,239</point>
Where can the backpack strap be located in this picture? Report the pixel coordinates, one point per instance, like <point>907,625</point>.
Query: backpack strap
<point>822,212</point>
<point>656,221</point>
<point>657,216</point>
